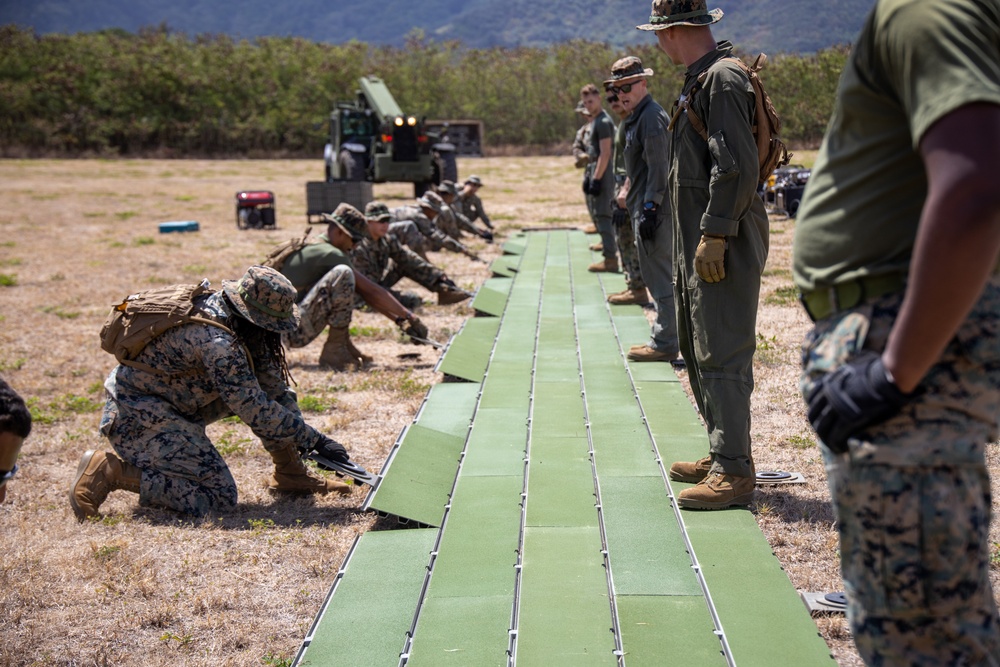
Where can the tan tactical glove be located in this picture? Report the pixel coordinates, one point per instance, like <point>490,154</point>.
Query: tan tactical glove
<point>710,258</point>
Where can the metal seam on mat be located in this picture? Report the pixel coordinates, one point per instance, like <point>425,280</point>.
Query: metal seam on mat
<point>619,651</point>
<point>411,633</point>
<point>516,607</point>
<point>695,565</point>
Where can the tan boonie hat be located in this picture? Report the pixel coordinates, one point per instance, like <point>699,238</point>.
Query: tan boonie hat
<point>350,220</point>
<point>626,68</point>
<point>432,201</point>
<point>668,13</point>
<point>474,180</point>
<point>265,297</point>
<point>377,211</point>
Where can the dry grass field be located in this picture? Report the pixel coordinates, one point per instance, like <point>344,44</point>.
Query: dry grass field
<point>144,586</point>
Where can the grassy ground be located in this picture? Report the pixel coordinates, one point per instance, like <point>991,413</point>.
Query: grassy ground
<point>147,587</point>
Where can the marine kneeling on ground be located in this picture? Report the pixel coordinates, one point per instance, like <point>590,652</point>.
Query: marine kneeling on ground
<point>224,359</point>
<point>383,258</point>
<point>326,281</point>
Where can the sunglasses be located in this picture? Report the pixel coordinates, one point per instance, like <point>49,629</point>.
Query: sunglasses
<point>624,88</point>
<point>611,98</point>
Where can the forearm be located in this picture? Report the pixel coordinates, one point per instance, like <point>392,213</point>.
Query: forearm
<point>380,299</point>
<point>957,238</point>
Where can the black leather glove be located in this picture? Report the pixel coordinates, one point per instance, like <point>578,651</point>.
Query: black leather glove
<point>416,329</point>
<point>619,216</point>
<point>447,282</point>
<point>648,225</point>
<point>586,185</point>
<point>595,187</point>
<point>330,449</point>
<point>851,398</point>
<point>488,235</point>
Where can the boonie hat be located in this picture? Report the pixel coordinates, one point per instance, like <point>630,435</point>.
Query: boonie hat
<point>265,297</point>
<point>447,187</point>
<point>350,220</point>
<point>628,67</point>
<point>667,13</point>
<point>377,211</point>
<point>432,201</point>
<point>474,180</point>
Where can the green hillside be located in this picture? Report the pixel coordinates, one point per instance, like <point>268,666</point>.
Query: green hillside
<point>788,26</point>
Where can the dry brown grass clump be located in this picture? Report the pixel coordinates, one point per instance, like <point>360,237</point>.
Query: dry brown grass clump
<point>146,587</point>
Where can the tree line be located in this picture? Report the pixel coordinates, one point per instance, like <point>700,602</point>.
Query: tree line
<point>157,92</point>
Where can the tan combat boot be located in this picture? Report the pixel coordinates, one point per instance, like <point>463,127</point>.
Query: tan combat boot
<point>606,265</point>
<point>291,476</point>
<point>448,296</point>
<point>98,474</point>
<point>718,491</point>
<point>337,354</point>
<point>629,297</point>
<point>365,359</point>
<point>686,471</point>
<point>597,247</point>
<point>590,229</point>
<point>646,353</point>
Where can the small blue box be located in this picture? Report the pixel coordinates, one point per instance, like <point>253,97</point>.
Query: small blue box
<point>179,226</point>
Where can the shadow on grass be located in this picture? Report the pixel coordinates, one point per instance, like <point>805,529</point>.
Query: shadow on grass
<point>783,503</point>
<point>284,512</point>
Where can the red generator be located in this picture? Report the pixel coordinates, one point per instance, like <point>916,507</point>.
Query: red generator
<point>255,209</point>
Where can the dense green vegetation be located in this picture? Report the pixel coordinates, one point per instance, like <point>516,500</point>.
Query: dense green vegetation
<point>158,92</point>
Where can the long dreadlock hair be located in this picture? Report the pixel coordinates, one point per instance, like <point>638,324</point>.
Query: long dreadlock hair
<point>262,344</point>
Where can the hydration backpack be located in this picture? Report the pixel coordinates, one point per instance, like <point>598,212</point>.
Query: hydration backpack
<point>141,317</point>
<point>276,258</point>
<point>771,150</point>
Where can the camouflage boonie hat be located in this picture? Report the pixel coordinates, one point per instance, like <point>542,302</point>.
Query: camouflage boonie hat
<point>474,180</point>
<point>667,13</point>
<point>265,297</point>
<point>625,68</point>
<point>432,201</point>
<point>448,188</point>
<point>350,220</point>
<point>377,211</point>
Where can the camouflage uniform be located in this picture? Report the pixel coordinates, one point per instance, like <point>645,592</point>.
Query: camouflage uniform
<point>912,492</point>
<point>387,260</point>
<point>471,206</point>
<point>408,234</point>
<point>434,238</point>
<point>324,278</point>
<point>157,423</point>
<point>913,495</point>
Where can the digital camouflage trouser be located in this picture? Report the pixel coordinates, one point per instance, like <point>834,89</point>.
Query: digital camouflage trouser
<point>181,468</point>
<point>912,495</point>
<point>329,302</point>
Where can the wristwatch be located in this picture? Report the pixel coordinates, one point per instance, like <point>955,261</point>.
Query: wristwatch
<point>649,206</point>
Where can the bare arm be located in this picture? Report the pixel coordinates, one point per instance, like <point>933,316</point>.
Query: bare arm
<point>380,298</point>
<point>958,241</point>
<point>604,159</point>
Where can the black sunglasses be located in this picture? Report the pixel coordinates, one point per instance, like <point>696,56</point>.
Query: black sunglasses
<point>611,98</point>
<point>624,88</point>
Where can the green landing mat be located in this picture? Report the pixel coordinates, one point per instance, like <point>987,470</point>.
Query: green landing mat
<point>505,265</point>
<point>491,299</point>
<point>469,352</point>
<point>420,476</point>
<point>369,612</point>
<point>660,630</point>
<point>449,407</point>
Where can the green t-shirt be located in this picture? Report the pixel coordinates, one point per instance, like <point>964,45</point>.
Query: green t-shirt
<point>305,267</point>
<point>914,62</point>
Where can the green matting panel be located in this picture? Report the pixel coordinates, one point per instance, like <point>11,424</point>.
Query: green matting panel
<point>420,476</point>
<point>545,471</point>
<point>469,352</point>
<point>366,619</point>
<point>491,298</point>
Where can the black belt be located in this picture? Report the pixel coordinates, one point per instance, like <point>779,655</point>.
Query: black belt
<point>823,302</point>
